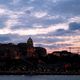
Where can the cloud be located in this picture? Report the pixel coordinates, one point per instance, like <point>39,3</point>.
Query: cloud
<point>67,7</point>
<point>50,23</point>
<point>61,32</point>
<point>40,30</point>
<point>40,14</point>
<point>10,38</point>
<point>74,26</point>
<point>4,38</point>
<point>15,2</point>
<point>27,21</point>
<point>74,19</point>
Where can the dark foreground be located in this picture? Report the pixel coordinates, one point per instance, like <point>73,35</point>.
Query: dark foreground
<point>48,65</point>
<point>15,60</point>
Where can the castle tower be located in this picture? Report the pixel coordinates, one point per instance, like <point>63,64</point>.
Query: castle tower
<point>30,48</point>
<point>30,42</point>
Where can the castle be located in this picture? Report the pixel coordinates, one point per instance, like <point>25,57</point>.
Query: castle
<point>25,50</point>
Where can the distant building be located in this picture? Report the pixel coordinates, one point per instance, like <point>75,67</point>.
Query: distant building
<point>41,52</point>
<point>62,53</point>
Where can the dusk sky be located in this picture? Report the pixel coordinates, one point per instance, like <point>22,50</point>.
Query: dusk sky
<point>52,24</point>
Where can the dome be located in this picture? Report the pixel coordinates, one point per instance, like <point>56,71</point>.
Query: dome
<point>30,42</point>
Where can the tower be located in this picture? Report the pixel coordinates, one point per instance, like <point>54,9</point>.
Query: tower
<point>30,42</point>
<point>30,48</point>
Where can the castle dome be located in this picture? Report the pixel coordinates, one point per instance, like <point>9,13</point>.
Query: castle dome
<point>30,42</point>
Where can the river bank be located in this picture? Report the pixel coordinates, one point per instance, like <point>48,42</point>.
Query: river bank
<point>37,73</point>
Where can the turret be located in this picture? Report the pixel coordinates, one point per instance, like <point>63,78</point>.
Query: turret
<point>29,42</point>
<point>30,48</point>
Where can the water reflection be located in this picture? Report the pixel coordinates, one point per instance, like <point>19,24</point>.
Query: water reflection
<point>40,77</point>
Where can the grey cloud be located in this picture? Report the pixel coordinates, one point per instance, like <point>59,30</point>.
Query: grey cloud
<point>63,7</point>
<point>67,7</point>
<point>62,32</point>
<point>3,19</point>
<point>55,45</point>
<point>8,38</point>
<point>26,22</point>
<point>41,39</point>
<point>4,38</point>
<point>74,26</point>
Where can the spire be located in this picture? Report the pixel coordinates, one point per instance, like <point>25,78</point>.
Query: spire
<point>30,42</point>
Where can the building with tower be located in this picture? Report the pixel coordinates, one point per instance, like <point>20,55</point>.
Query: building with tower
<point>28,49</point>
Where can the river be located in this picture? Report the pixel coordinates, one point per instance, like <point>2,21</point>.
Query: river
<point>40,77</point>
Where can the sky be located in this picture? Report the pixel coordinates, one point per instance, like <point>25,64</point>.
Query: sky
<point>52,24</point>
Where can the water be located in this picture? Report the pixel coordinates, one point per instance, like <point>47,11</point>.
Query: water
<point>40,77</point>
